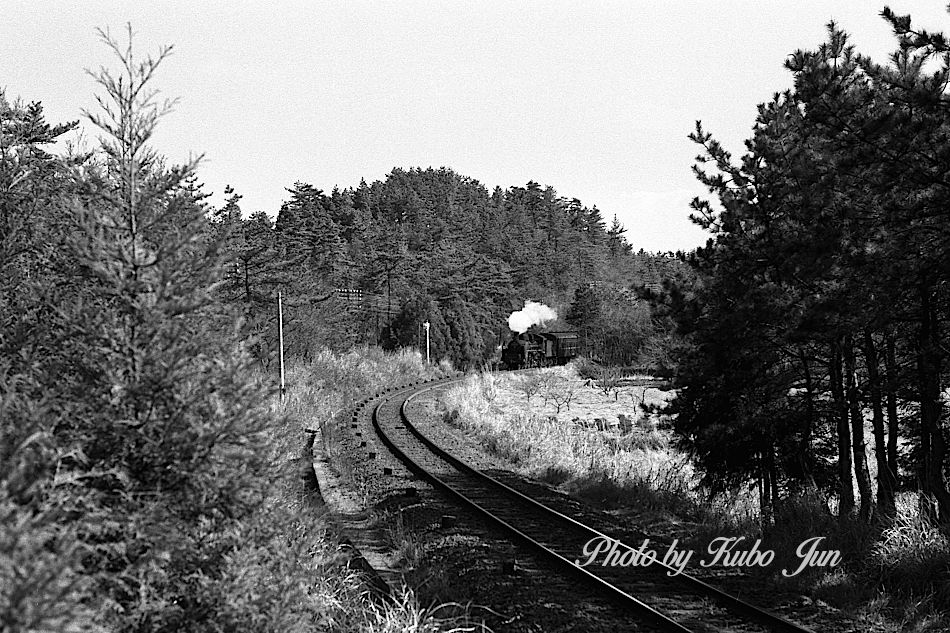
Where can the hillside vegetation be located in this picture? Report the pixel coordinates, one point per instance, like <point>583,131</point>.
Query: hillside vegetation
<point>433,245</point>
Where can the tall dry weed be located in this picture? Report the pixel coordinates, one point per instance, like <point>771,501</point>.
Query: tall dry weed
<point>635,469</point>
<point>896,574</point>
<point>912,556</point>
<point>289,571</point>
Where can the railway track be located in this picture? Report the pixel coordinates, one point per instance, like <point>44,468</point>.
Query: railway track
<point>659,602</point>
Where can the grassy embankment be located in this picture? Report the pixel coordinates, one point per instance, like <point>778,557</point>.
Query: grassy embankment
<point>303,573</point>
<point>323,391</point>
<point>895,576</point>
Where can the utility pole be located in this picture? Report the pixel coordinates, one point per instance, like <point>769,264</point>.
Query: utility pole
<point>280,341</point>
<point>426,326</point>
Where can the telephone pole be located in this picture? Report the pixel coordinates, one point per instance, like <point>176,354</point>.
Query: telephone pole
<point>426,326</point>
<point>280,341</point>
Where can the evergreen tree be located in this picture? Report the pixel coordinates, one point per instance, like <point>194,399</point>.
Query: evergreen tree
<point>829,245</point>
<point>40,584</point>
<point>165,419</point>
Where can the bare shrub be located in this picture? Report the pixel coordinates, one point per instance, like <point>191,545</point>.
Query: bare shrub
<point>639,399</point>
<point>546,383</point>
<point>529,384</point>
<point>489,389</point>
<point>608,380</point>
<point>561,391</point>
<point>643,469</point>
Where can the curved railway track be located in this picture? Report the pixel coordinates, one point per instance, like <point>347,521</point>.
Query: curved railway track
<point>681,603</point>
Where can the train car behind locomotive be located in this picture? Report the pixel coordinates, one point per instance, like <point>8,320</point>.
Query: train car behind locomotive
<point>540,349</point>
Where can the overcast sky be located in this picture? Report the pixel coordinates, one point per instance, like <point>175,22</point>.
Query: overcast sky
<point>593,98</point>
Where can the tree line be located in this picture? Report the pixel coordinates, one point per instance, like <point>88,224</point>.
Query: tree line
<point>433,245</point>
<point>822,298</point>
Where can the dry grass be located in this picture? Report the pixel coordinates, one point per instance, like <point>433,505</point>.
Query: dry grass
<point>290,571</point>
<point>912,557</point>
<point>544,439</point>
<point>899,577</point>
<point>403,615</point>
<point>406,549</point>
<point>895,576</point>
<point>321,392</point>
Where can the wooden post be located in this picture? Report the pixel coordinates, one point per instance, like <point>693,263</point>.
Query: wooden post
<point>426,326</point>
<point>280,340</point>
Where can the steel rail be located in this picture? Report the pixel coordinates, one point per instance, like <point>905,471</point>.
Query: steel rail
<point>730,602</point>
<point>727,600</point>
<point>614,593</point>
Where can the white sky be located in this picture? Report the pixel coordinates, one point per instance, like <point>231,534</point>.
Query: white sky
<point>593,98</point>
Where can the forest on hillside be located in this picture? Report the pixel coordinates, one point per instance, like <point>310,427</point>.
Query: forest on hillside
<point>432,245</point>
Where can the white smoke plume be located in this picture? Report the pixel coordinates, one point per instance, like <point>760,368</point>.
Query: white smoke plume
<point>533,313</point>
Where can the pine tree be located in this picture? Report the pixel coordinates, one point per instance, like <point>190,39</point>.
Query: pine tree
<point>166,419</point>
<point>40,584</point>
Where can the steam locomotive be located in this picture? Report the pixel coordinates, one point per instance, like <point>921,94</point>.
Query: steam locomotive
<point>539,349</point>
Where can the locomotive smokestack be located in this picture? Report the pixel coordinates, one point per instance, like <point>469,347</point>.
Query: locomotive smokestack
<point>533,313</point>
